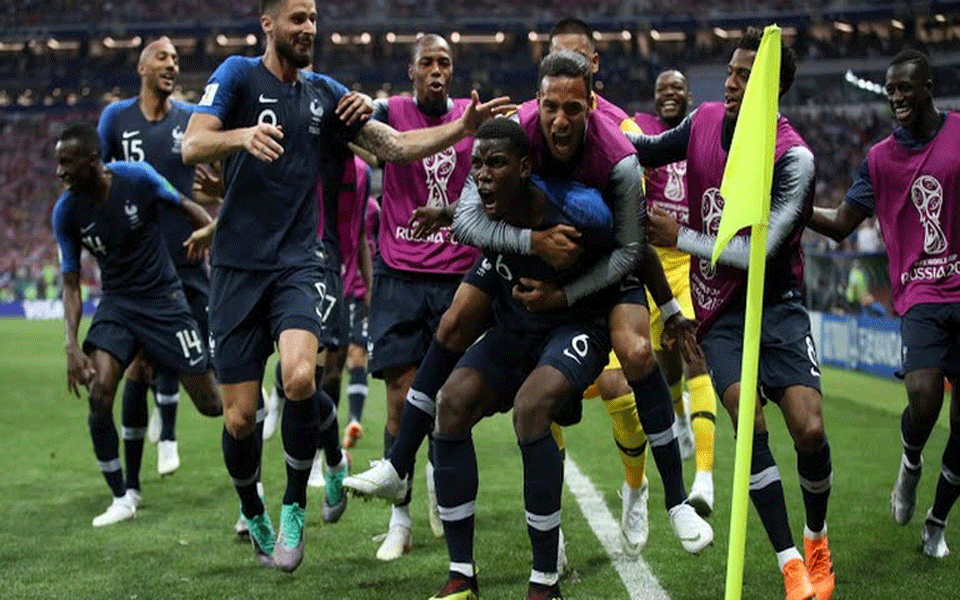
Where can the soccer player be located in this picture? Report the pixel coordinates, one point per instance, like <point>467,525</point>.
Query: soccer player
<point>537,363</point>
<point>150,128</point>
<point>414,278</point>
<point>273,125</point>
<point>570,139</point>
<point>112,212</point>
<point>789,371</point>
<point>357,282</point>
<point>666,190</point>
<point>910,181</point>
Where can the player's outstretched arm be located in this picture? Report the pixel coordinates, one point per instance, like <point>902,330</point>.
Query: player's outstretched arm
<point>199,241</point>
<point>196,213</point>
<point>837,223</point>
<point>388,144</point>
<point>79,369</point>
<point>665,148</point>
<point>205,141</point>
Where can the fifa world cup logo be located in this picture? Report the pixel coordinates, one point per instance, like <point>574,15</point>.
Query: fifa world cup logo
<point>711,208</point>
<point>439,168</point>
<point>927,195</point>
<point>674,190</point>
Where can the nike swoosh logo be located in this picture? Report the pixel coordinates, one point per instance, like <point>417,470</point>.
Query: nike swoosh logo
<point>264,100</point>
<point>196,361</point>
<point>129,134</point>
<point>87,228</point>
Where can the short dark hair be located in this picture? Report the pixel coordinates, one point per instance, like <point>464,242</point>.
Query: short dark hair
<point>85,134</point>
<point>429,38</point>
<point>566,63</point>
<point>268,5</point>
<point>572,26</point>
<point>505,129</point>
<point>909,55</point>
<point>788,60</point>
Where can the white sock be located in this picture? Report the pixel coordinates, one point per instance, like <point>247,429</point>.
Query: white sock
<point>787,555</point>
<point>400,515</point>
<point>812,535</point>
<point>463,568</point>
<point>703,479</point>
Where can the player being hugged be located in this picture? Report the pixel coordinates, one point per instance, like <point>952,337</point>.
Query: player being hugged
<point>112,212</point>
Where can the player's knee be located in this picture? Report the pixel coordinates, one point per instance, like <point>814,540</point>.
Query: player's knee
<point>102,393</point>
<point>454,403</point>
<point>635,354</point>
<point>612,384</point>
<point>210,404</point>
<point>531,415</point>
<point>809,435</point>
<point>239,423</point>
<point>300,383</point>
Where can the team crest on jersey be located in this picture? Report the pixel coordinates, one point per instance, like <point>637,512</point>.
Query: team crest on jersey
<point>133,213</point>
<point>316,116</point>
<point>177,135</point>
<point>675,190</point>
<point>927,195</point>
<point>439,168</point>
<point>711,207</point>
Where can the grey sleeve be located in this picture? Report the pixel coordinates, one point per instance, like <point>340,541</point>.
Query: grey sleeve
<point>381,110</point>
<point>665,148</point>
<point>793,177</point>
<point>472,226</point>
<point>625,196</point>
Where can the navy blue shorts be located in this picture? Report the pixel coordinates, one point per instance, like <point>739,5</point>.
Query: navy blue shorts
<point>196,287</point>
<point>249,309</point>
<point>506,358</point>
<point>632,291</point>
<point>334,319</point>
<point>405,311</point>
<point>787,354</point>
<point>930,338</point>
<point>162,327</point>
<point>358,322</point>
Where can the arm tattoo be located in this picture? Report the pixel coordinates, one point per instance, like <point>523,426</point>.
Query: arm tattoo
<point>380,140</point>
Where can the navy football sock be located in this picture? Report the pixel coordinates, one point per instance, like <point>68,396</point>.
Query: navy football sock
<point>766,492</point>
<point>948,486</point>
<point>357,391</point>
<point>455,474</point>
<point>815,472</point>
<point>542,490</point>
<point>299,433</point>
<point>655,409</point>
<point>106,446</point>
<point>168,397</point>
<point>133,419</point>
<point>242,458</point>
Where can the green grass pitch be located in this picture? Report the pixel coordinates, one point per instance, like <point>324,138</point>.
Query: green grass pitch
<point>181,543</point>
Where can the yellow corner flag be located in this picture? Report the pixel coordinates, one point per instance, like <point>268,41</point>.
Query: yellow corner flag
<point>747,181</point>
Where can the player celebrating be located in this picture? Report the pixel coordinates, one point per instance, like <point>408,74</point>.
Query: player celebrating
<point>150,128</point>
<point>112,212</point>
<point>274,124</point>
<point>789,371</point>
<point>537,363</point>
<point>910,180</point>
<point>414,278</point>
<point>666,190</point>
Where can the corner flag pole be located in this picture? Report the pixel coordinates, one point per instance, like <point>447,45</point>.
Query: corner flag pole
<point>747,181</point>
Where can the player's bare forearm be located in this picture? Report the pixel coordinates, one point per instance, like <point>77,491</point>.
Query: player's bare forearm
<point>654,277</point>
<point>72,308</point>
<point>386,143</point>
<point>206,142</point>
<point>366,265</point>
<point>197,215</point>
<point>367,157</point>
<point>836,223</point>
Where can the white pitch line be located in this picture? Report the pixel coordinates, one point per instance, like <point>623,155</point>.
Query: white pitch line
<point>636,575</point>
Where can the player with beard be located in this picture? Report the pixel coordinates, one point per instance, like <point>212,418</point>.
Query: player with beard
<point>911,181</point>
<point>789,371</point>
<point>150,128</point>
<point>274,125</point>
<point>112,211</point>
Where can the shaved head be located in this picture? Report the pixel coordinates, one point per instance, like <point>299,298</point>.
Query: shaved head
<point>155,46</point>
<point>427,41</point>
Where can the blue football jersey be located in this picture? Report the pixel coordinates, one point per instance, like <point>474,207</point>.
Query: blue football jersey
<point>127,135</point>
<point>496,273</point>
<point>121,233</point>
<point>269,217</point>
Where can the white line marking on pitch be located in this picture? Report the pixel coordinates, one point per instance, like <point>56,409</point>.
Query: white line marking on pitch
<point>636,575</point>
